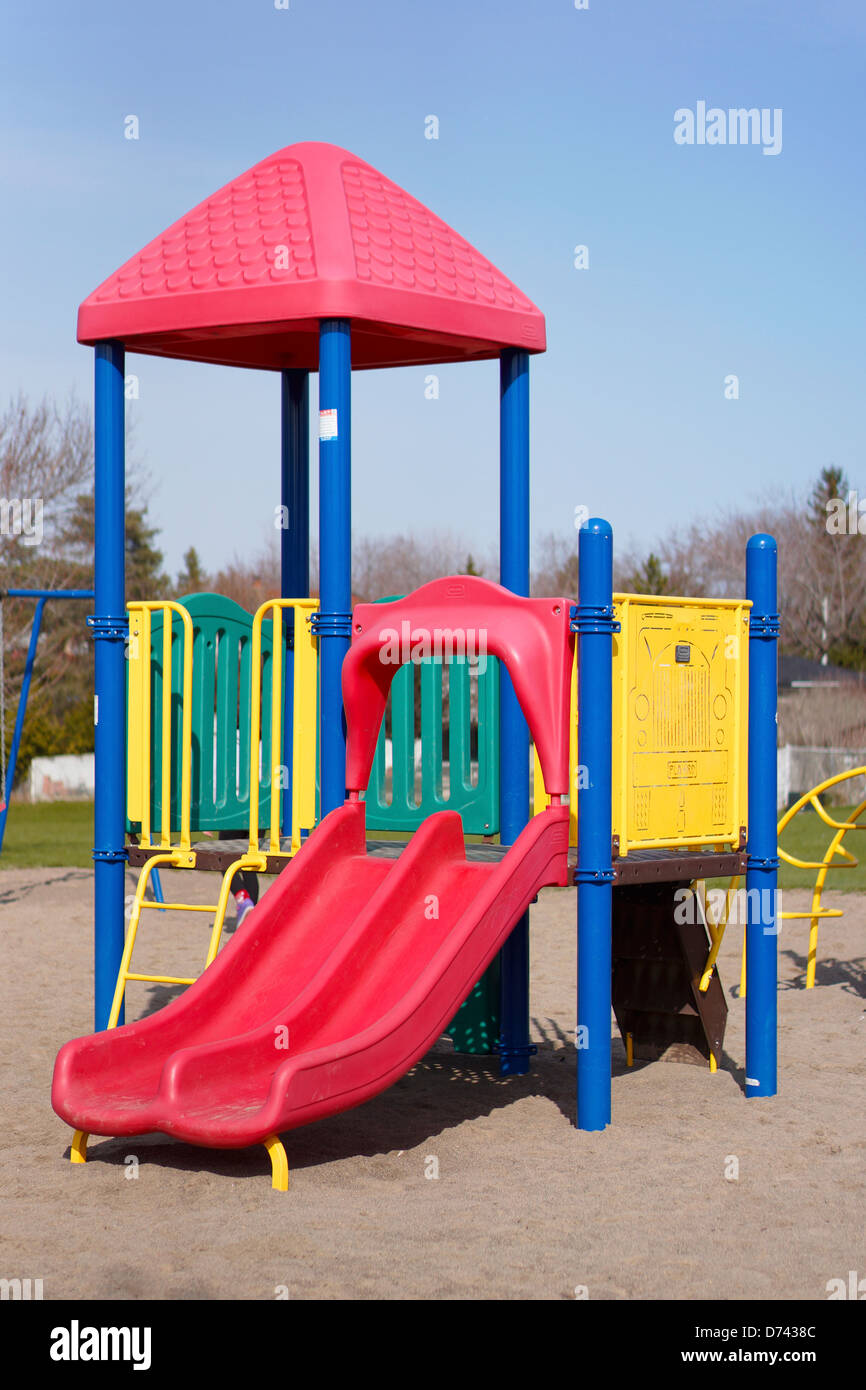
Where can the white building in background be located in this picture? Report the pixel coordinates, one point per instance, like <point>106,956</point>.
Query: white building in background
<point>67,777</point>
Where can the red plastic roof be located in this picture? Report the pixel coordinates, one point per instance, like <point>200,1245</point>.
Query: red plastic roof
<point>311,232</point>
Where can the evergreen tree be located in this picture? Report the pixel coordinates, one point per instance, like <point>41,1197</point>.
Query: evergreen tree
<point>649,578</point>
<point>192,578</point>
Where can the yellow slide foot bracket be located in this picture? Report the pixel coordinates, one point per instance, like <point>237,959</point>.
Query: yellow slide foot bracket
<point>629,1050</point>
<point>279,1164</point>
<point>78,1149</point>
<point>714,1066</point>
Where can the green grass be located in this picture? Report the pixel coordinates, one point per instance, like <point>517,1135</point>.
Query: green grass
<point>807,837</point>
<point>51,834</point>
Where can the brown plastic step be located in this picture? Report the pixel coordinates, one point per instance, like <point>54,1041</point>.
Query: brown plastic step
<point>658,962</point>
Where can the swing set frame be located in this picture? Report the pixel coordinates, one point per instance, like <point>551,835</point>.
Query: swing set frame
<point>7,770</point>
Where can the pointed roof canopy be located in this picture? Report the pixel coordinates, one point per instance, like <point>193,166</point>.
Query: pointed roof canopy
<point>311,232</point>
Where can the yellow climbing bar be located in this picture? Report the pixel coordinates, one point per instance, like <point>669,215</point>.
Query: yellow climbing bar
<point>138,740</point>
<point>164,979</point>
<point>836,856</point>
<point>174,859</point>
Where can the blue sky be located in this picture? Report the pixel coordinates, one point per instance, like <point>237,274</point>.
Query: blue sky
<point>556,129</point>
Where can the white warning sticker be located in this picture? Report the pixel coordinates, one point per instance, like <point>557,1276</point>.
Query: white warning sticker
<point>328,424</point>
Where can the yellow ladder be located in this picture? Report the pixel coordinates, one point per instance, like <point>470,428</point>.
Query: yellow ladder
<point>181,855</point>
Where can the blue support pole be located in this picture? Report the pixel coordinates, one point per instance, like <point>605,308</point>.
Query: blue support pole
<point>515,1048</point>
<point>41,595</point>
<point>593,621</point>
<point>294,539</point>
<point>110,628</point>
<point>762,863</point>
<point>334,622</point>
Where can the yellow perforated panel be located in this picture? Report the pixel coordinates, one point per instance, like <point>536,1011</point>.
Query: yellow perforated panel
<point>680,724</point>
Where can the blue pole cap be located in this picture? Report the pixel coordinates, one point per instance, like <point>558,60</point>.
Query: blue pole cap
<point>597,526</point>
<point>761,541</point>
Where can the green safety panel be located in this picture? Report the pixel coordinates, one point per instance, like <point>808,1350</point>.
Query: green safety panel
<point>220,763</point>
<point>477,802</point>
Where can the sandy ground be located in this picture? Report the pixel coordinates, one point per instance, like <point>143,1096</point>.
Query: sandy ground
<point>523,1205</point>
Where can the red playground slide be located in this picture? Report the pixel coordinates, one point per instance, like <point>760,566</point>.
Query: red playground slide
<point>336,984</point>
<point>351,965</point>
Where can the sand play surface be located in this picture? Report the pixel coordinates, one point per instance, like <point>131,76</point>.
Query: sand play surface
<point>523,1206</point>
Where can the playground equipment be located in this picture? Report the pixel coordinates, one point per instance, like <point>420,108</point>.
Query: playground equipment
<point>834,852</point>
<point>645,716</point>
<point>7,770</point>
<point>187,714</point>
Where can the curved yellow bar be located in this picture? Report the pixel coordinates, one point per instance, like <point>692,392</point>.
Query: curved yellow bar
<point>835,851</point>
<point>78,1148</point>
<point>279,1163</point>
<point>716,929</point>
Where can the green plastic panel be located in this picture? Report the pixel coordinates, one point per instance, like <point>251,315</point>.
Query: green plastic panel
<point>220,770</point>
<point>476,798</point>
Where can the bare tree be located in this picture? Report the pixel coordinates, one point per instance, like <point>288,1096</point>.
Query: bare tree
<point>46,516</point>
<point>386,565</point>
<point>822,573</point>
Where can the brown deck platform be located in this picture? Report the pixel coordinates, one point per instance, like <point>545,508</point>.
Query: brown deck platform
<point>642,866</point>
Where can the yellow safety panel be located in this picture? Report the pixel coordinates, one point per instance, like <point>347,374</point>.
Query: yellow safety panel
<point>680,721</point>
<point>680,724</point>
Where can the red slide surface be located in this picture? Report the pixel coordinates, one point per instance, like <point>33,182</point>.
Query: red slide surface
<point>336,984</point>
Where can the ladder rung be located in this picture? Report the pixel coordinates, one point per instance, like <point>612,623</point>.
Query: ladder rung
<point>181,907</point>
<point>807,916</point>
<point>163,979</point>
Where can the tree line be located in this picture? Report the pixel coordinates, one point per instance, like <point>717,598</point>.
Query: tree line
<point>46,453</point>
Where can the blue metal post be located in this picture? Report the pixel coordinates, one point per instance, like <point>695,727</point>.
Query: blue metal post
<point>109,625</point>
<point>515,1048</point>
<point>40,595</point>
<point>334,624</point>
<point>294,538</point>
<point>763,861</point>
<point>593,620</point>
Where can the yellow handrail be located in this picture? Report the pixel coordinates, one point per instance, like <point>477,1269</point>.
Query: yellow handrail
<point>141,637</point>
<point>303,722</point>
<point>716,930</point>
